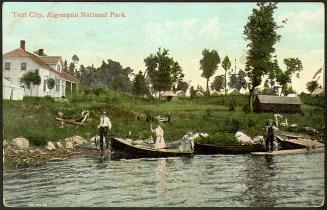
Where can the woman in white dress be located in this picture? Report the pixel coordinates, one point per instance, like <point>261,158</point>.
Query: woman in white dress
<point>160,142</point>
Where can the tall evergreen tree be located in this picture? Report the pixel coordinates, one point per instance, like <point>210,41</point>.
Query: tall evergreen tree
<point>226,64</point>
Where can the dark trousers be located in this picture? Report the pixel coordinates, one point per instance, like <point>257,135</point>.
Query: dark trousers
<point>103,131</point>
<point>270,141</point>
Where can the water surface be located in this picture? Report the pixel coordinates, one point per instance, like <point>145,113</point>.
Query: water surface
<point>218,180</point>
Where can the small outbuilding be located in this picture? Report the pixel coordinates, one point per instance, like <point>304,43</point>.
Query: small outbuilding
<point>277,104</point>
<point>11,91</point>
<point>168,95</point>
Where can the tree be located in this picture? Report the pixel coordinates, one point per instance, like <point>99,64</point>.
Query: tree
<point>192,92</point>
<point>208,65</point>
<point>261,32</point>
<point>183,86</point>
<point>109,75</point>
<point>75,59</point>
<point>139,84</point>
<point>312,86</point>
<point>218,83</point>
<point>65,67</point>
<point>293,65</point>
<point>226,64</point>
<point>71,68</point>
<point>241,82</point>
<point>237,81</point>
<point>162,71</point>
<point>31,78</point>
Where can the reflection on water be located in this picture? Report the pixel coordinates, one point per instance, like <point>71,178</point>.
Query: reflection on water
<point>259,185</point>
<point>161,177</point>
<point>217,180</point>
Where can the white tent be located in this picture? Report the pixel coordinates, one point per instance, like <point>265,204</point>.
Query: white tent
<point>12,91</point>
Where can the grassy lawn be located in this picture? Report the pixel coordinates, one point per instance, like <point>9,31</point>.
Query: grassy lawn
<point>34,118</point>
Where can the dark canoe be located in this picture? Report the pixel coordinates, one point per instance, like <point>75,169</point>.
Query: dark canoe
<point>227,149</point>
<point>124,149</point>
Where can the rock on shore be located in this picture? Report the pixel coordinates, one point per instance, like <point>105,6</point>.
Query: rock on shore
<point>19,143</point>
<point>50,146</point>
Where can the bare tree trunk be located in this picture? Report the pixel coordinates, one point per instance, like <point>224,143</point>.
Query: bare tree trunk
<point>208,91</point>
<point>225,84</point>
<point>251,99</point>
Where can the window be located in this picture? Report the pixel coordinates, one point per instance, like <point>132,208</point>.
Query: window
<point>7,66</point>
<point>23,66</point>
<point>57,85</point>
<point>8,78</point>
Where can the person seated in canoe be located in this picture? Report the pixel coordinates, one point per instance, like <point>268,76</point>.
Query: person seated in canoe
<point>160,142</point>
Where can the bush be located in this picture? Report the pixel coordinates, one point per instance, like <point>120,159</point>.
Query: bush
<point>251,123</point>
<point>232,125</point>
<point>313,100</point>
<point>246,109</point>
<point>37,139</point>
<point>218,139</point>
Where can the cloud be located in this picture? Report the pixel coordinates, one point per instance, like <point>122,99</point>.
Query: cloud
<point>211,28</point>
<point>304,24</point>
<point>188,29</point>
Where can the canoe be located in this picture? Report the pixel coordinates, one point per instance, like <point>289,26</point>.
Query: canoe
<point>227,149</point>
<point>124,149</point>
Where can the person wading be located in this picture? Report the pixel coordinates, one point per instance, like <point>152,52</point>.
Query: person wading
<point>103,127</point>
<point>270,136</point>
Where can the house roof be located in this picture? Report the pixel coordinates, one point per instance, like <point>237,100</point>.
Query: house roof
<point>168,93</point>
<point>19,52</point>
<point>269,99</point>
<point>50,59</point>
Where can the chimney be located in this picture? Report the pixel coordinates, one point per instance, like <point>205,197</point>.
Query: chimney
<point>41,52</point>
<point>22,44</point>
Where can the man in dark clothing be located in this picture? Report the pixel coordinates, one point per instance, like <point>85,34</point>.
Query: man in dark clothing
<point>270,136</point>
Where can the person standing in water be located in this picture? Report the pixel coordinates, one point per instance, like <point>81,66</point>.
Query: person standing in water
<point>103,127</point>
<point>160,142</point>
<point>270,136</point>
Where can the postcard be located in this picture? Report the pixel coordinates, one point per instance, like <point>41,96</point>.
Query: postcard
<point>163,104</point>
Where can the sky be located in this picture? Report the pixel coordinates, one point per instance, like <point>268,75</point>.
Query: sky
<point>185,29</point>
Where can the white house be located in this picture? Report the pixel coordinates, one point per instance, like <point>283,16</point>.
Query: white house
<point>19,61</point>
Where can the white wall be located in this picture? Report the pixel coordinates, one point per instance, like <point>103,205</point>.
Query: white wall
<point>15,73</point>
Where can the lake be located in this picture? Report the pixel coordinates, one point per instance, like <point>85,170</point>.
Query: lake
<point>201,181</point>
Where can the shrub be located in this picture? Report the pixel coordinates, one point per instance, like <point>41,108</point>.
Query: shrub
<point>251,123</point>
<point>232,125</point>
<point>246,109</point>
<point>37,139</point>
